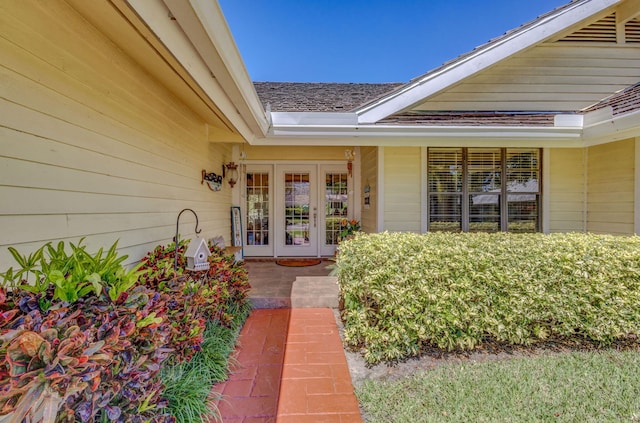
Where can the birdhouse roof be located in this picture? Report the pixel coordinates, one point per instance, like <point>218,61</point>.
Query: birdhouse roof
<point>196,245</point>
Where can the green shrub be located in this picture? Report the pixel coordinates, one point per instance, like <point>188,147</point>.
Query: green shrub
<point>83,339</point>
<point>403,292</point>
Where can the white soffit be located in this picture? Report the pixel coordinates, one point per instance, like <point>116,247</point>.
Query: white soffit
<point>204,25</point>
<point>313,118</point>
<point>486,56</point>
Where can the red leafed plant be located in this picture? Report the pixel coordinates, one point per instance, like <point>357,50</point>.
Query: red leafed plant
<point>82,361</point>
<point>85,339</point>
<point>195,297</point>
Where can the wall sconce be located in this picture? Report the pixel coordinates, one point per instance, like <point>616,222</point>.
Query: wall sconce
<point>214,182</point>
<point>350,155</point>
<point>232,169</point>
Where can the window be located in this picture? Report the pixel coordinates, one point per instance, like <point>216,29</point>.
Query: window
<point>257,208</point>
<point>336,205</point>
<point>483,189</point>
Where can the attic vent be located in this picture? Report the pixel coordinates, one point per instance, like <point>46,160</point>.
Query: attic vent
<point>602,31</point>
<point>632,31</point>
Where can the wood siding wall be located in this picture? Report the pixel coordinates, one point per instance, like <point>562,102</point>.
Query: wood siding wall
<point>294,153</point>
<point>369,176</point>
<point>402,189</point>
<point>90,145</point>
<point>567,202</point>
<point>610,183</point>
<point>558,76</point>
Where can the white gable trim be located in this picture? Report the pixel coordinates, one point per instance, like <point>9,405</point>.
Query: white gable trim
<point>492,53</point>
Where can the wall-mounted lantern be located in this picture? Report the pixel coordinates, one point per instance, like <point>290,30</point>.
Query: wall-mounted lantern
<point>350,155</point>
<point>232,170</point>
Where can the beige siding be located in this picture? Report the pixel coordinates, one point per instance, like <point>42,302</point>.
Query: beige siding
<point>402,189</point>
<point>611,188</point>
<point>547,77</point>
<point>369,166</point>
<point>90,145</point>
<point>295,153</point>
<point>567,206</point>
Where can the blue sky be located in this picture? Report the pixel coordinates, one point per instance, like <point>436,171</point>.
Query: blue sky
<point>366,40</point>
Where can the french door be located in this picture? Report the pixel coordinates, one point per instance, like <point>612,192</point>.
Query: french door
<point>295,209</point>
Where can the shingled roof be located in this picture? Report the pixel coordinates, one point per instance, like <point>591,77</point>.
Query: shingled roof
<point>320,96</point>
<point>623,101</point>
<point>471,118</point>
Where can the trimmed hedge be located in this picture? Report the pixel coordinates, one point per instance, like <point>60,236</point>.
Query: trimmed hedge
<point>403,292</point>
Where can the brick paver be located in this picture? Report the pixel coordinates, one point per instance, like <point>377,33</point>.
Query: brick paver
<point>291,368</point>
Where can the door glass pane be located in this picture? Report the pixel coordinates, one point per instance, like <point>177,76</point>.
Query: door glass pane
<point>335,205</point>
<point>296,197</point>
<point>257,209</point>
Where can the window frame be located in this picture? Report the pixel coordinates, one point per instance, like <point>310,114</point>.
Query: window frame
<point>464,193</point>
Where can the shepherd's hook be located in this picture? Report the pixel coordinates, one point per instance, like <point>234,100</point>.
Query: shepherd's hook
<point>175,261</point>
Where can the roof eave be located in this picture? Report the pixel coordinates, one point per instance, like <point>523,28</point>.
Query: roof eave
<point>205,27</point>
<point>602,127</point>
<point>399,136</point>
<point>486,56</point>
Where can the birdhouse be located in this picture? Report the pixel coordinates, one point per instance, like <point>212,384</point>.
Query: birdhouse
<point>197,255</point>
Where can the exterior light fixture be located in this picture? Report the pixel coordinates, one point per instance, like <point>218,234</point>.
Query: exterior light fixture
<point>350,155</point>
<point>232,170</point>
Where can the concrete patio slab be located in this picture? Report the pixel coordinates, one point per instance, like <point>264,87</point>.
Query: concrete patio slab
<point>314,292</point>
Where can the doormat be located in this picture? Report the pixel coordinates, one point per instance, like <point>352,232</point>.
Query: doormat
<point>298,262</point>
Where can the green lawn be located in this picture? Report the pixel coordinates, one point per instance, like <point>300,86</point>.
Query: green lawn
<point>573,387</point>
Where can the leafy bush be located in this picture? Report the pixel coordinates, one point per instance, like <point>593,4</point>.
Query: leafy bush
<point>81,361</point>
<point>195,298</point>
<point>403,292</point>
<point>83,339</point>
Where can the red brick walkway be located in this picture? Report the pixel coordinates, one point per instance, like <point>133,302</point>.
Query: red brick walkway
<point>292,368</point>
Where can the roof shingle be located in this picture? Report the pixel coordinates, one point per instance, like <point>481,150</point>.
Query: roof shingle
<point>429,118</point>
<point>623,101</point>
<point>319,97</point>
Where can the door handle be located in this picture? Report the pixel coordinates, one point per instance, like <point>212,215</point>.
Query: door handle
<point>315,217</point>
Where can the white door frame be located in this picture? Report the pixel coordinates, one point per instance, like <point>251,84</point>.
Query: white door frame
<point>258,250</point>
<point>310,229</point>
<point>277,246</point>
<point>323,169</point>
